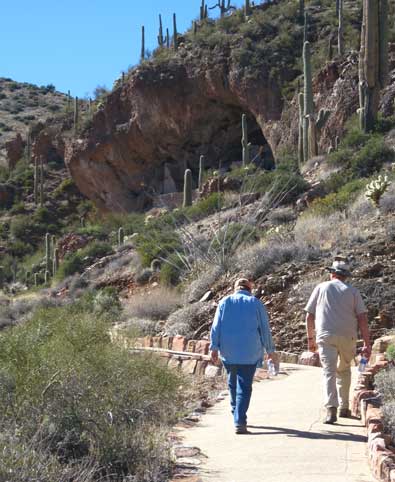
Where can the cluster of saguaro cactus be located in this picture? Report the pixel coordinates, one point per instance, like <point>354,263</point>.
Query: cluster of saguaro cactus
<point>340,34</point>
<point>244,141</point>
<point>201,172</point>
<point>373,60</point>
<point>187,188</point>
<point>376,189</point>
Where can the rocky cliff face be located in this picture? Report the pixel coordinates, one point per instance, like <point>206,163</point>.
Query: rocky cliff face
<point>161,120</point>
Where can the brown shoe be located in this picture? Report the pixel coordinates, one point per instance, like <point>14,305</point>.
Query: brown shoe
<point>345,413</point>
<point>241,430</point>
<point>331,415</point>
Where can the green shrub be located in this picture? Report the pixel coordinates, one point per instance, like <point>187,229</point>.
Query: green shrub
<point>390,353</point>
<point>76,262</point>
<point>84,401</point>
<point>337,201</point>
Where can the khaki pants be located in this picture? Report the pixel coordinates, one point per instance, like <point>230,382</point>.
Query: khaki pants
<point>336,354</point>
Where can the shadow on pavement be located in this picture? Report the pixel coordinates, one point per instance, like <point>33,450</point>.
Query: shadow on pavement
<point>344,436</point>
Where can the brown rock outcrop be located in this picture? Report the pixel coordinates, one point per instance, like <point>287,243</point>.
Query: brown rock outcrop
<point>169,115</point>
<point>14,150</point>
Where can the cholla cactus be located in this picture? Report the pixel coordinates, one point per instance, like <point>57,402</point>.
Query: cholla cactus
<point>376,189</point>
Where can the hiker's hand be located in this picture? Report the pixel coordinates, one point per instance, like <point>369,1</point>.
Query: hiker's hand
<point>269,355</point>
<point>366,351</point>
<point>312,345</point>
<point>214,357</point>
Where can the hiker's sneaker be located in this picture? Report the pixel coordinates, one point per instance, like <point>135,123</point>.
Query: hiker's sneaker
<point>331,415</point>
<point>345,413</point>
<point>241,429</point>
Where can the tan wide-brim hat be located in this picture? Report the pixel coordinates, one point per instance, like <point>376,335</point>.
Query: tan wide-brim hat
<point>243,283</point>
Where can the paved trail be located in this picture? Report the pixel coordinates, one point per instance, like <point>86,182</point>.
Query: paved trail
<point>288,443</point>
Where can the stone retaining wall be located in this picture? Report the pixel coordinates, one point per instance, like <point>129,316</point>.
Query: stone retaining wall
<point>366,405</point>
<point>192,356</point>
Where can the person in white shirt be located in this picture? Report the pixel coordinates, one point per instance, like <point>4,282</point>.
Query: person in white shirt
<point>334,312</point>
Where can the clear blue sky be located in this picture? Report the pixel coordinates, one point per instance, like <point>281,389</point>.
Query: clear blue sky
<point>80,44</point>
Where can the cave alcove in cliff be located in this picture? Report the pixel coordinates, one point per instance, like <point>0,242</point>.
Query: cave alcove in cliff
<point>219,140</point>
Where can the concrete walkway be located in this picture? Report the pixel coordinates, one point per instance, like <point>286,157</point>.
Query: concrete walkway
<point>288,443</point>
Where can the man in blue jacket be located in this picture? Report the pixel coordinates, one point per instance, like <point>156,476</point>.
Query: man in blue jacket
<point>239,336</point>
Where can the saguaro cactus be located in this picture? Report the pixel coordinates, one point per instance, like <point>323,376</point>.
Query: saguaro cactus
<point>47,251</point>
<point>244,141</point>
<point>76,114</point>
<point>175,35</point>
<point>308,98</point>
<point>301,10</point>
<point>340,34</point>
<point>55,262</point>
<point>306,28</point>
<point>36,180</point>
<point>373,60</point>
<point>35,279</point>
<point>28,146</point>
<point>247,8</point>
<point>201,172</point>
<point>121,236</point>
<point>167,38</point>
<point>187,188</point>
<point>161,40</point>
<point>142,54</point>
<point>41,181</point>
<point>301,122</point>
<point>203,10</point>
<point>68,106</point>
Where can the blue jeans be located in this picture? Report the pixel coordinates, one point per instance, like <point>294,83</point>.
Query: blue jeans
<point>240,378</point>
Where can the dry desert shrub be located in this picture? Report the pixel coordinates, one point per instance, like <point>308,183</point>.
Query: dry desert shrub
<point>204,281</point>
<point>261,258</point>
<point>190,320</point>
<point>155,305</point>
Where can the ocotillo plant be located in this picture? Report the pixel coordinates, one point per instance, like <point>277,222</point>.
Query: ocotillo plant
<point>76,114</point>
<point>308,109</point>
<point>175,35</point>
<point>47,251</point>
<point>161,40</point>
<point>201,172</point>
<point>301,123</point>
<point>142,54</point>
<point>55,262</point>
<point>244,141</point>
<point>187,188</point>
<point>373,60</point>
<point>340,35</point>
<point>121,236</point>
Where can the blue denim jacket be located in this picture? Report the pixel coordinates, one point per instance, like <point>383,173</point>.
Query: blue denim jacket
<point>241,329</point>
